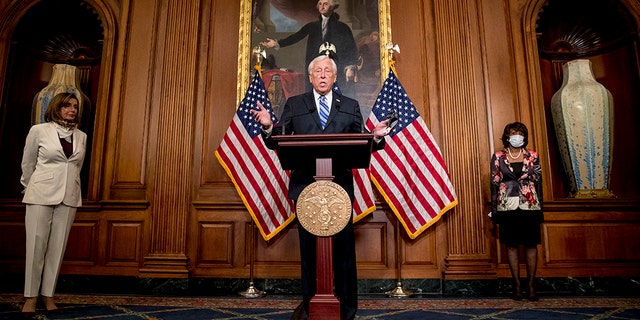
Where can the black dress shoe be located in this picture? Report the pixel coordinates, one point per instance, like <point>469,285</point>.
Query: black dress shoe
<point>516,297</point>
<point>533,297</point>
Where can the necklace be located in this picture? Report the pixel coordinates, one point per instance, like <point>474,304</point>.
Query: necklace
<point>511,155</point>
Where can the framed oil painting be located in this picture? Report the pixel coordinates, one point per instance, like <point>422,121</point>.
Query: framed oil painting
<point>283,29</point>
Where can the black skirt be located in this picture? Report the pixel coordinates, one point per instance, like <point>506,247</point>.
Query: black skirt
<point>520,227</point>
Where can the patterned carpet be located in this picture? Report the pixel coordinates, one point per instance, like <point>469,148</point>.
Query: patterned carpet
<point>281,308</point>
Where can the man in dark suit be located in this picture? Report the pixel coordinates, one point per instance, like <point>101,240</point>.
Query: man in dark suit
<point>328,28</point>
<point>303,114</point>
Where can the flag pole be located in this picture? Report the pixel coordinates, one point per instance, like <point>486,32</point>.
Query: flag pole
<point>399,291</point>
<point>252,291</point>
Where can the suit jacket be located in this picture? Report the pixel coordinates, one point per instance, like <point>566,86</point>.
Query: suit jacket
<point>300,116</point>
<point>49,177</point>
<point>510,191</point>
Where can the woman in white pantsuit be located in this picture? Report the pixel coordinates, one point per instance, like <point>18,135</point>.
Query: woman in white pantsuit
<point>51,163</point>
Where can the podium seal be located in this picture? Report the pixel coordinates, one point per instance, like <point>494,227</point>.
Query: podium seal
<point>323,208</point>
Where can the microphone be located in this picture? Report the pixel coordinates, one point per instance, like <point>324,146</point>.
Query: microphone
<point>393,119</point>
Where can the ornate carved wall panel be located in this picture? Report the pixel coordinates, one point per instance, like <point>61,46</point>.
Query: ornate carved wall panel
<point>279,256</point>
<point>373,249</point>
<point>129,119</point>
<point>124,243</point>
<point>591,243</point>
<point>217,238</point>
<point>82,244</point>
<point>462,114</point>
<point>215,245</point>
<point>218,98</point>
<point>171,136</point>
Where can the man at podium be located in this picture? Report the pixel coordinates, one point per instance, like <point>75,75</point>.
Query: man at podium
<point>316,112</point>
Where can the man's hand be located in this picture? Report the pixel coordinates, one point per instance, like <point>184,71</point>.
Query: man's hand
<point>350,74</point>
<point>262,116</point>
<point>382,129</point>
<point>270,43</point>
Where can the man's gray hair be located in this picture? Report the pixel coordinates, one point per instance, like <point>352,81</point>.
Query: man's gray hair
<point>333,4</point>
<point>322,58</point>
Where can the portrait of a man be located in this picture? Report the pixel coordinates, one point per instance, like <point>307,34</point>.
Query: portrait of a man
<point>293,32</point>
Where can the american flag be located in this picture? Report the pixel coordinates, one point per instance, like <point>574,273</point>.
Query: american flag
<point>410,172</point>
<point>254,169</point>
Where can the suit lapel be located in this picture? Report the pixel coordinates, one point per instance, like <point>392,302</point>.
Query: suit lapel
<point>312,105</point>
<point>335,106</point>
<point>54,140</point>
<point>52,135</point>
<point>75,142</point>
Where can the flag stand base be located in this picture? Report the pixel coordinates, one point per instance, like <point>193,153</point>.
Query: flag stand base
<point>399,292</point>
<point>252,292</point>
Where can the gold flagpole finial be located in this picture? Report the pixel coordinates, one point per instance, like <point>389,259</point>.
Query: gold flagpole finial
<point>260,54</point>
<point>392,47</point>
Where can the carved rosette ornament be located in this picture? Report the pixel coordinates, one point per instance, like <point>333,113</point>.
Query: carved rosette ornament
<point>323,208</point>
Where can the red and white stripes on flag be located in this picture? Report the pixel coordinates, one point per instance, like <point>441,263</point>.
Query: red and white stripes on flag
<point>254,169</point>
<point>364,201</point>
<point>410,172</point>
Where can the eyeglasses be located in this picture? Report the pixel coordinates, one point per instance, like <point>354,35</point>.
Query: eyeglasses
<point>327,72</point>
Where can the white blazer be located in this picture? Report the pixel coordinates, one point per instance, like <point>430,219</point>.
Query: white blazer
<point>49,177</point>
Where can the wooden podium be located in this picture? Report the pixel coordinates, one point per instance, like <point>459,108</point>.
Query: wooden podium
<point>350,150</point>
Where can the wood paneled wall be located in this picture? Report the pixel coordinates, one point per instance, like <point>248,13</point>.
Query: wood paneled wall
<point>159,204</point>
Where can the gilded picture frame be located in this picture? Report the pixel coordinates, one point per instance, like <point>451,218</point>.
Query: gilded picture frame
<point>254,30</point>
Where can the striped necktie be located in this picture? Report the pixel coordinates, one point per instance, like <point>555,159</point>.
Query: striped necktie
<point>324,110</point>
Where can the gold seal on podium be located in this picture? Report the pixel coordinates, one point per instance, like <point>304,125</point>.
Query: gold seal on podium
<point>323,208</point>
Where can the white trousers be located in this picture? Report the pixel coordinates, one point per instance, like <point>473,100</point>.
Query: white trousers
<point>47,229</point>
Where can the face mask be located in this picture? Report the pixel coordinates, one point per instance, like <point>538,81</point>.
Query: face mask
<point>516,140</point>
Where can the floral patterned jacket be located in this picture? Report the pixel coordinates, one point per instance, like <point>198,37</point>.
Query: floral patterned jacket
<point>509,191</point>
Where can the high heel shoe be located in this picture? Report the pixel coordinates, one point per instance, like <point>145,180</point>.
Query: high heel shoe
<point>29,308</point>
<point>50,305</point>
<point>532,293</point>
<point>517,296</point>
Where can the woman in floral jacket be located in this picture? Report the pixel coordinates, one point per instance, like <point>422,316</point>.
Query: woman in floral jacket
<point>516,202</point>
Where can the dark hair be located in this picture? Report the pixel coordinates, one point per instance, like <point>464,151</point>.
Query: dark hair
<point>515,126</point>
<point>61,100</point>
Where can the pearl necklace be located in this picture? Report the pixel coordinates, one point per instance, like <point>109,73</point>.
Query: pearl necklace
<point>511,155</point>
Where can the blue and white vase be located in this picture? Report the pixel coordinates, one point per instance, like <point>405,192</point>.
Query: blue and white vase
<point>63,79</point>
<point>582,111</point>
